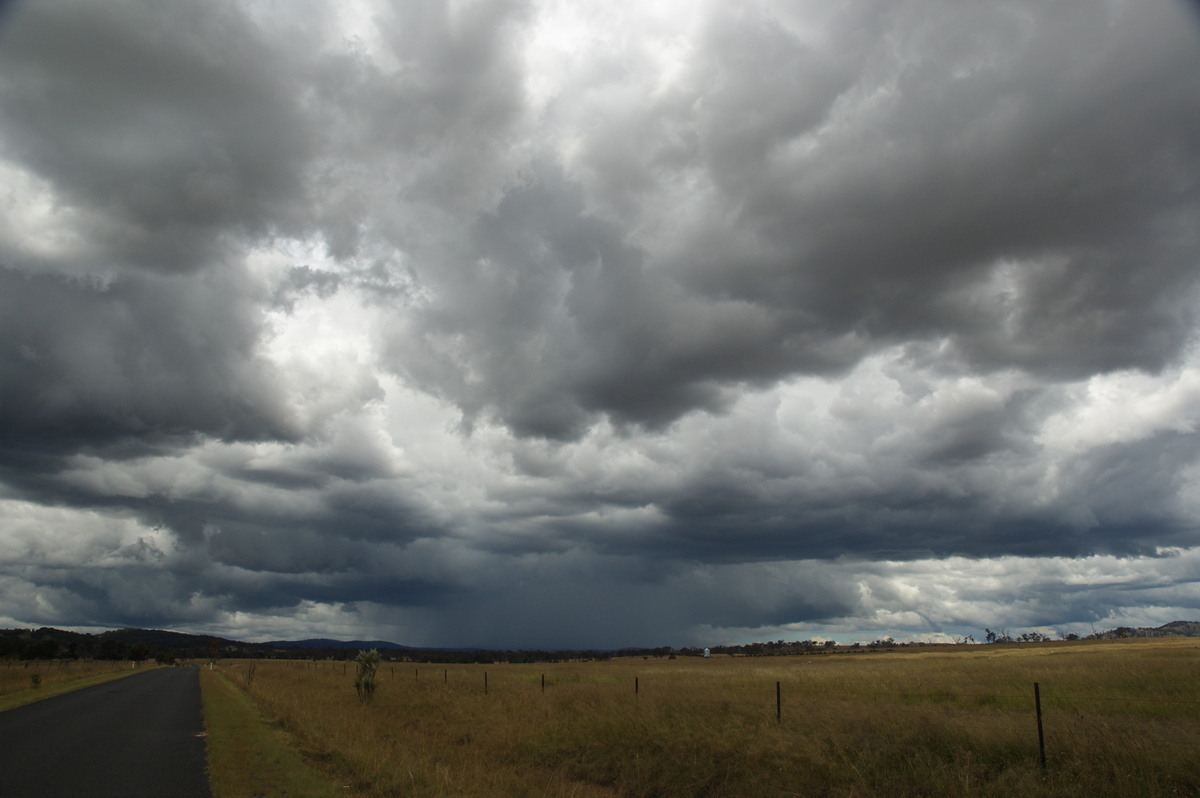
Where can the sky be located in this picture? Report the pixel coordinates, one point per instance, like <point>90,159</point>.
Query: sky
<point>558,324</point>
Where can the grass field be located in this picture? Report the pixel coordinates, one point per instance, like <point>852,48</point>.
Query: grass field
<point>22,682</point>
<point>248,755</point>
<point>1120,718</point>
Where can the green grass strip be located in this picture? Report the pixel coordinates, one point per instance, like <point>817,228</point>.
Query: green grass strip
<point>250,755</point>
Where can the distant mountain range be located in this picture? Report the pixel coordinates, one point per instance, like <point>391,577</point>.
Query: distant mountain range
<point>51,643</point>
<point>325,642</point>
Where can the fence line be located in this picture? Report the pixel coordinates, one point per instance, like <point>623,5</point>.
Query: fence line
<point>923,692</point>
<point>935,695</point>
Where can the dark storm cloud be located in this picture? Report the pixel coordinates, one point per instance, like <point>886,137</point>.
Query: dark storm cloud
<point>559,318</point>
<point>161,139</point>
<point>139,357</point>
<point>726,319</point>
<point>1043,150</point>
<point>173,126</point>
<point>1013,181</point>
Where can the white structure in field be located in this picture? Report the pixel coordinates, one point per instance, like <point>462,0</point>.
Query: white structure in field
<point>706,653</point>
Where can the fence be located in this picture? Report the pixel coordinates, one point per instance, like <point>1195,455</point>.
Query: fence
<point>797,696</point>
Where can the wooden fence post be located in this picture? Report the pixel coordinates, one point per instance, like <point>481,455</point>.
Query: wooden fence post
<point>778,704</point>
<point>1037,703</point>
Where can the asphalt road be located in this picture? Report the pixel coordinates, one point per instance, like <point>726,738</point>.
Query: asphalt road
<point>136,737</point>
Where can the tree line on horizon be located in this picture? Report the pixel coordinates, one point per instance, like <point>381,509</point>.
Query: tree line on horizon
<point>48,643</point>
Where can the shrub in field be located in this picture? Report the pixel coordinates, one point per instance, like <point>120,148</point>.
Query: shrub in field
<point>364,680</point>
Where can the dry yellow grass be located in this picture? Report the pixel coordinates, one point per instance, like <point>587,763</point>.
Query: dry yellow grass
<point>17,678</point>
<point>248,755</point>
<point>1121,718</point>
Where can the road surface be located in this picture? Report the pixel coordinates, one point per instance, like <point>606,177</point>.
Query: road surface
<point>139,736</point>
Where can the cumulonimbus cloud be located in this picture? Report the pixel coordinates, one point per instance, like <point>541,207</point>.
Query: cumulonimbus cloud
<point>344,310</point>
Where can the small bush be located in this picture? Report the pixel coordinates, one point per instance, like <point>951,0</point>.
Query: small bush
<point>364,679</point>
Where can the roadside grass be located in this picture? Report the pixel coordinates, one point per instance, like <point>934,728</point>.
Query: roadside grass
<point>248,755</point>
<point>57,677</point>
<point>1120,720</point>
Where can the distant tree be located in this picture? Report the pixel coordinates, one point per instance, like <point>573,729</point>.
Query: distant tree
<point>11,646</point>
<point>165,656</point>
<point>42,649</point>
<point>139,652</point>
<point>113,649</point>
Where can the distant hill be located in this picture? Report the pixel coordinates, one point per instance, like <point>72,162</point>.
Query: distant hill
<point>50,643</point>
<point>160,638</point>
<point>118,644</point>
<point>320,643</point>
<point>1181,628</point>
<point>1172,629</point>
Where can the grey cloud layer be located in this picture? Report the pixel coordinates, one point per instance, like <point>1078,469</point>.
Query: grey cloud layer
<point>1028,201</point>
<point>359,308</point>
